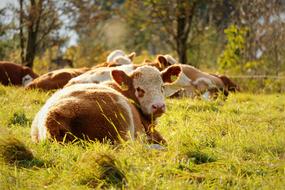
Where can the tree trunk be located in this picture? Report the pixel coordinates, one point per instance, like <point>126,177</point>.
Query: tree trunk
<point>184,20</point>
<point>33,28</point>
<point>22,45</point>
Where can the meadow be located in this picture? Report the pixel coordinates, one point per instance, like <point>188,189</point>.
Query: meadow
<point>234,144</point>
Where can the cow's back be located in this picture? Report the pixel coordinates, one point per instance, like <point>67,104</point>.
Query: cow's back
<point>56,79</point>
<point>10,73</point>
<point>87,111</point>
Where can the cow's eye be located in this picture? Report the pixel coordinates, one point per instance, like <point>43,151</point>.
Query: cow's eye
<point>140,92</point>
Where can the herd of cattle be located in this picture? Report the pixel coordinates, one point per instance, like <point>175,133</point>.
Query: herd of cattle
<point>116,100</point>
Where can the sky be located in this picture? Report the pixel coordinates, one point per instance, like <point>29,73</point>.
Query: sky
<point>4,3</point>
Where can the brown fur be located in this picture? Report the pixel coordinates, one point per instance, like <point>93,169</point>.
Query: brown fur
<point>56,79</point>
<point>11,73</point>
<point>160,63</point>
<point>230,86</point>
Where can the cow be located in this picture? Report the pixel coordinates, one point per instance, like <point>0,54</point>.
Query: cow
<point>56,79</point>
<point>15,74</point>
<point>118,110</point>
<point>102,74</point>
<point>161,61</point>
<point>120,57</point>
<point>193,82</point>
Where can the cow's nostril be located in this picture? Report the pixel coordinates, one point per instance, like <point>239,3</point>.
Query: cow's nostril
<point>158,107</point>
<point>154,107</point>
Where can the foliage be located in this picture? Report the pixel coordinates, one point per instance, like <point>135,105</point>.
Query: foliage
<point>232,144</point>
<point>231,58</point>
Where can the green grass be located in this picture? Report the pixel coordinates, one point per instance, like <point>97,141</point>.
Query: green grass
<point>233,144</point>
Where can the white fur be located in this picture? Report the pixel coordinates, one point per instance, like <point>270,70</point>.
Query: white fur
<point>26,80</point>
<point>181,82</point>
<point>170,59</point>
<point>204,80</point>
<point>124,104</point>
<point>100,75</point>
<point>122,60</point>
<point>119,57</point>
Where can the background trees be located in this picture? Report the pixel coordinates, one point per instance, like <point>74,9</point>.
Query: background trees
<point>194,31</point>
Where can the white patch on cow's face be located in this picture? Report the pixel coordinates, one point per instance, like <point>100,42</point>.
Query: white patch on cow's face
<point>149,89</point>
<point>26,80</point>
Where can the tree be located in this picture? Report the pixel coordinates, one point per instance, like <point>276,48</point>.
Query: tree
<point>38,21</point>
<point>88,19</point>
<point>266,37</point>
<point>174,17</point>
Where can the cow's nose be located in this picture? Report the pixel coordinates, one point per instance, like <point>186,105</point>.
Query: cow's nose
<point>158,108</point>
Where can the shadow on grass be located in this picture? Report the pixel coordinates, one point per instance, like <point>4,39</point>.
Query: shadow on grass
<point>199,157</point>
<point>14,152</point>
<point>100,171</point>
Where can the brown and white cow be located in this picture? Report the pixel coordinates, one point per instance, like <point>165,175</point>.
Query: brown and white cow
<point>120,57</point>
<point>193,82</point>
<point>15,74</point>
<point>118,110</point>
<point>56,79</point>
<point>161,62</point>
<point>102,74</point>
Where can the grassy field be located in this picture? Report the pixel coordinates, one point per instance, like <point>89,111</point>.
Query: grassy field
<point>233,144</point>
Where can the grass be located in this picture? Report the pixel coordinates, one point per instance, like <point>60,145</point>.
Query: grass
<point>233,144</point>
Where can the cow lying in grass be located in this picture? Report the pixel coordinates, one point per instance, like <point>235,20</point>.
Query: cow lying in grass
<point>161,62</point>
<point>102,74</point>
<point>193,82</point>
<point>121,57</point>
<point>117,58</point>
<point>14,74</point>
<point>56,79</point>
<point>118,110</point>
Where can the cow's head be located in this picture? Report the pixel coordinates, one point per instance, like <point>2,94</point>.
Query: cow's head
<point>229,84</point>
<point>28,76</point>
<point>122,60</point>
<point>145,86</point>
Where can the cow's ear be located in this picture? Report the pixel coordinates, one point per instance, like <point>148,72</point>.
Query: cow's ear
<point>121,78</point>
<point>163,61</point>
<point>132,55</point>
<point>171,74</point>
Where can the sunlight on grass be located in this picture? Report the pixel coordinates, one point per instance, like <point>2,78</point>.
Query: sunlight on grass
<point>234,144</point>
